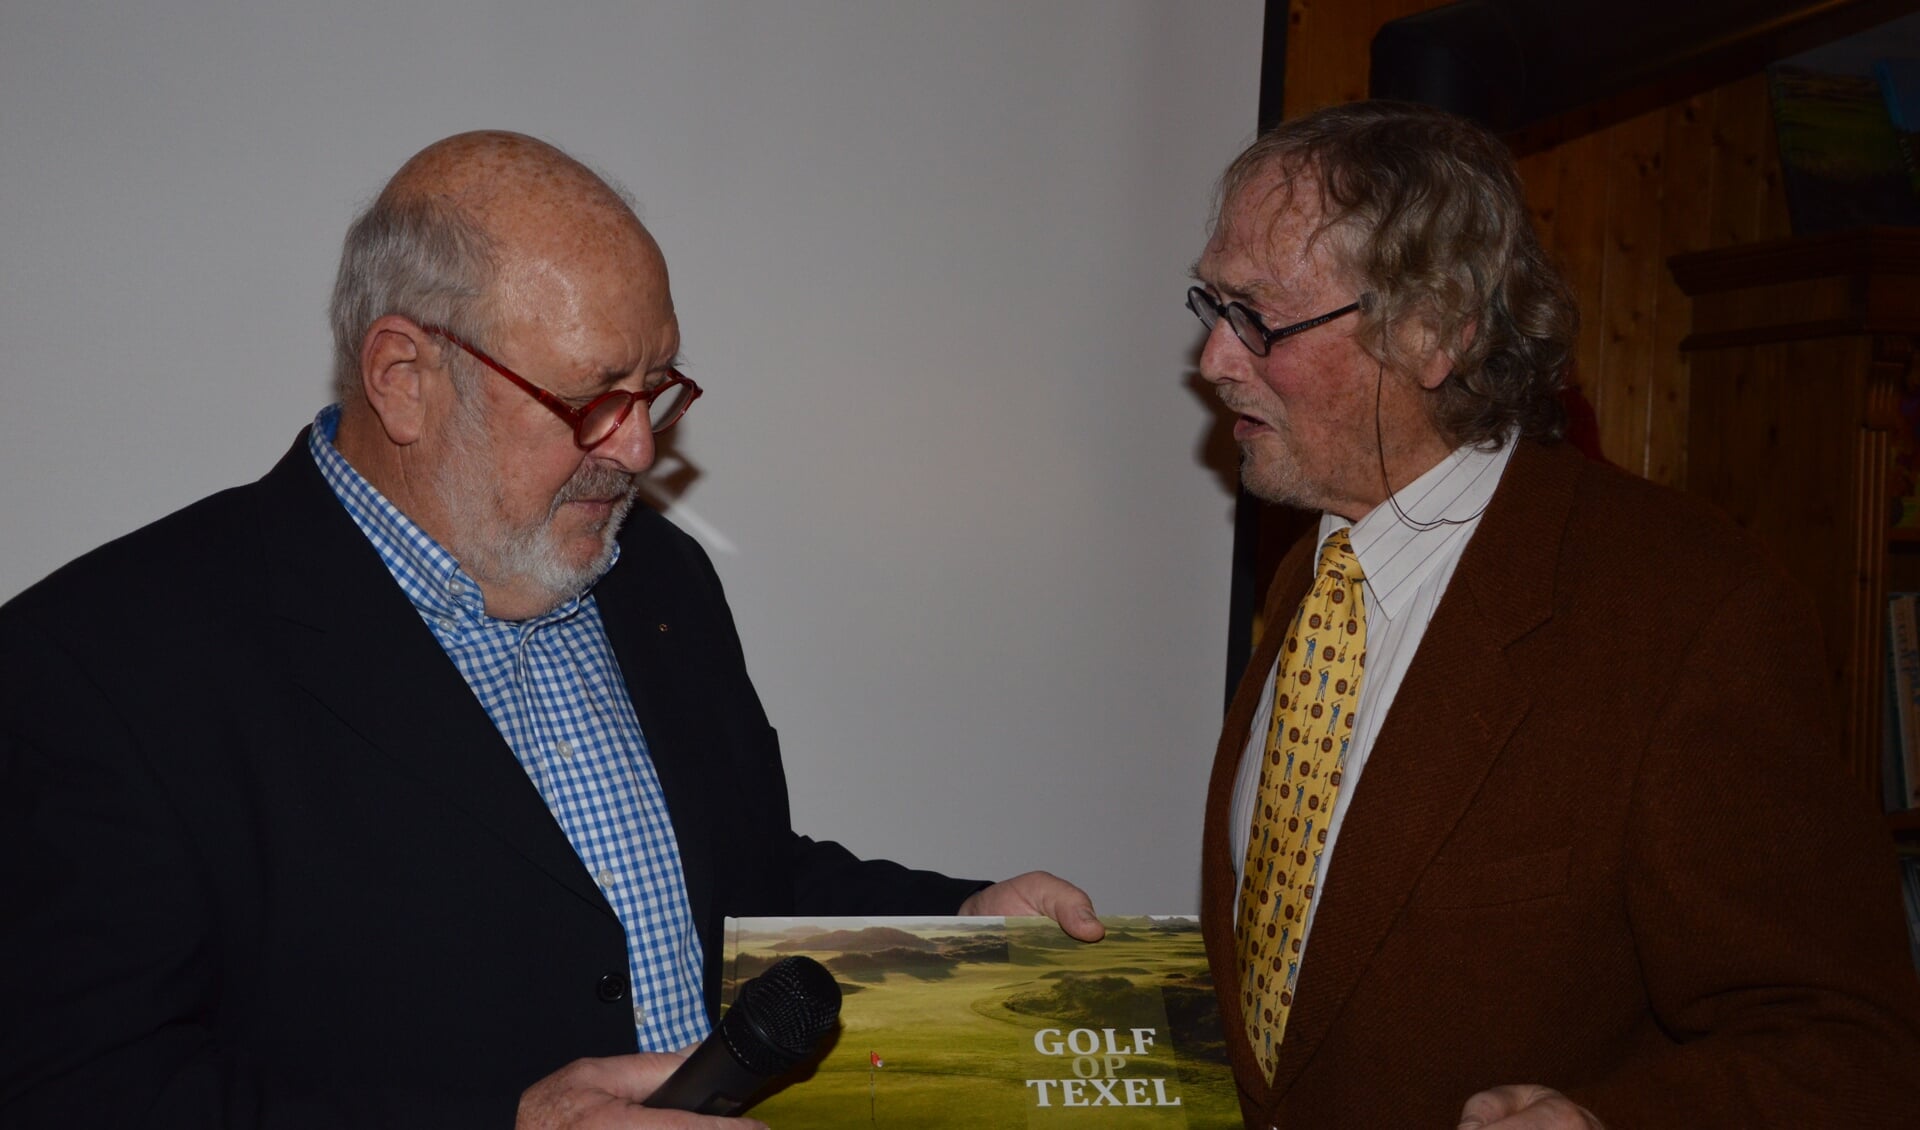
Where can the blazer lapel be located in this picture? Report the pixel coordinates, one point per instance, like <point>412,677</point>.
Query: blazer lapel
<point>352,640</point>
<point>1459,703</point>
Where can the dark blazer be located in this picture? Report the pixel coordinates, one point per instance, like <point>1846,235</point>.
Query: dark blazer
<point>265,861</point>
<point>1603,843</point>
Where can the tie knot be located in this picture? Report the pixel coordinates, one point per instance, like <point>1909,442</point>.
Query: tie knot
<point>1337,559</point>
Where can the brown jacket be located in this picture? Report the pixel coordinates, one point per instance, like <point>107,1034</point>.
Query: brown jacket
<point>1603,843</point>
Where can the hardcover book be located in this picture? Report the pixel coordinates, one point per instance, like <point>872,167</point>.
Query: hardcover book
<point>1000,1022</point>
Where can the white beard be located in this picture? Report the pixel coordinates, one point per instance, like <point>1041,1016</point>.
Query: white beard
<point>492,549</point>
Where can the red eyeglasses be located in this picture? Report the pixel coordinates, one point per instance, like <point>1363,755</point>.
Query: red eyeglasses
<point>666,402</point>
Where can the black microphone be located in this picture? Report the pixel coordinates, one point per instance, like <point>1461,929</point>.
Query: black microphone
<point>777,1020</point>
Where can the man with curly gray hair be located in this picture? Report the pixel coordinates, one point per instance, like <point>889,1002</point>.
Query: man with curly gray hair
<point>1597,855</point>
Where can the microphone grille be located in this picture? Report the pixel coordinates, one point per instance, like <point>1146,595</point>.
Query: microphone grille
<point>781,1015</point>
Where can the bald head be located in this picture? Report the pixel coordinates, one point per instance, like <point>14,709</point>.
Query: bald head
<point>480,169</point>
<point>527,196</point>
<point>477,227</point>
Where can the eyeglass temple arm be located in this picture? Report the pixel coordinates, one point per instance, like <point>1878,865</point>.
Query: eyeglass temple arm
<point>558,406</point>
<point>1302,327</point>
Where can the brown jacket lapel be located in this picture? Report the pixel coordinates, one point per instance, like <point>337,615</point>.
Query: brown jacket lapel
<point>1459,703</point>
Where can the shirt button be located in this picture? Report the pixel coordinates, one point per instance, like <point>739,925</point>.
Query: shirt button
<point>564,748</point>
<point>639,1018</point>
<point>605,879</point>
<point>612,988</point>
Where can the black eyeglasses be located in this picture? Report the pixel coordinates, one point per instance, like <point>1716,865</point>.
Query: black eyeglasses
<point>1247,326</point>
<point>666,402</point>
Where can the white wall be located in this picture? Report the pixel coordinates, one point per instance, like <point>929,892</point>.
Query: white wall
<point>929,261</point>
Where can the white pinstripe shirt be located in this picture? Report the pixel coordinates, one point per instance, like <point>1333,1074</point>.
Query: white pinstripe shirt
<point>1407,571</point>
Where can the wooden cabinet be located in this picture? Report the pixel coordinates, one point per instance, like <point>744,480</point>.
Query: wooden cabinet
<point>1799,352</point>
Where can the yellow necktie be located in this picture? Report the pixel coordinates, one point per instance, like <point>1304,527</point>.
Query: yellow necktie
<point>1315,692</point>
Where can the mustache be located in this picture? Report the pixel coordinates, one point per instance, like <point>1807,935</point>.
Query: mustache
<point>1240,409</point>
<point>601,481</point>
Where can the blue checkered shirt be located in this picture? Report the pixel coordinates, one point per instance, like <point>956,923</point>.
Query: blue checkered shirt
<point>553,689</point>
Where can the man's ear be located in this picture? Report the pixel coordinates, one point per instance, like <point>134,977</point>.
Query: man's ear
<point>1436,363</point>
<point>395,357</point>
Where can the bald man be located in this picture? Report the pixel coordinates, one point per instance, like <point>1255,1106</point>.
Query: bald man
<point>409,785</point>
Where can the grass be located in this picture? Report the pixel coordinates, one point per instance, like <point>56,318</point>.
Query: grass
<point>956,1054</point>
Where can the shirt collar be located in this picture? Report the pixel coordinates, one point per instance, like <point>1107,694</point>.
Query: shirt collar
<point>432,578</point>
<point>1397,555</point>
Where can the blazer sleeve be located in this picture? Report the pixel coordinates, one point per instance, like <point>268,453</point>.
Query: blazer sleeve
<point>1763,898</point>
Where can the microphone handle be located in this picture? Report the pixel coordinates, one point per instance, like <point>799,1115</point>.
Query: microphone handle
<point>711,1081</point>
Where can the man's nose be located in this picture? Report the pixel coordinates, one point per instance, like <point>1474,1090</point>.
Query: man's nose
<point>630,446</point>
<point>1223,356</point>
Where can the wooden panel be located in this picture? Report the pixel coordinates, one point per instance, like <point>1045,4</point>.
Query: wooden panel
<point>1327,48</point>
<point>1686,223</point>
<point>1682,179</point>
<point>1748,202</point>
<point>1633,266</point>
<point>1865,252</point>
<point>1801,308</point>
<point>1864,281</point>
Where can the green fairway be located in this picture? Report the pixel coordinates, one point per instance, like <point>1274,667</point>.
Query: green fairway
<point>953,1009</point>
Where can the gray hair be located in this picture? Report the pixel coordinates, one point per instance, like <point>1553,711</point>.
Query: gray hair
<point>1424,209</point>
<point>417,257</point>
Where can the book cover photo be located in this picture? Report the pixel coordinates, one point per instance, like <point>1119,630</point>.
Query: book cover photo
<point>1000,1022</point>
<point>1840,157</point>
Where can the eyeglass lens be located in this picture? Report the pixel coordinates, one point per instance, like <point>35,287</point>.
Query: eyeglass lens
<point>608,412</point>
<point>1245,325</point>
<point>669,406</point>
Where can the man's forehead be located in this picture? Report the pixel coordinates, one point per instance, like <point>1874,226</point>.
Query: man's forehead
<point>1269,236</point>
<point>579,260</point>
